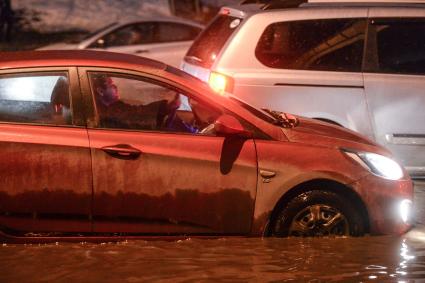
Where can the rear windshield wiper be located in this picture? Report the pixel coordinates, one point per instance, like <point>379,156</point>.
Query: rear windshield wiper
<point>193,59</point>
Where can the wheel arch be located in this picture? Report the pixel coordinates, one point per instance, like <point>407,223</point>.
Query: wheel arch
<point>329,185</point>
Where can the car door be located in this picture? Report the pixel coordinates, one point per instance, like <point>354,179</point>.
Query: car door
<point>153,175</point>
<point>45,168</point>
<point>395,85</point>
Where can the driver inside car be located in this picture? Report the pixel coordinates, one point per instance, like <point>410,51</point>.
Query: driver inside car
<point>204,117</point>
<point>172,121</point>
<point>162,114</point>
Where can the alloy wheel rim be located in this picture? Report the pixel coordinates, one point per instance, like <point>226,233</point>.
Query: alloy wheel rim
<point>319,220</point>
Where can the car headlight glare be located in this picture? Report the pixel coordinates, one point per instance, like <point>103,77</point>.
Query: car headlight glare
<point>405,210</point>
<point>379,165</point>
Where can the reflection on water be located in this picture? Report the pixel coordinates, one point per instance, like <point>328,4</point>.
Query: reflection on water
<point>234,259</point>
<point>378,259</point>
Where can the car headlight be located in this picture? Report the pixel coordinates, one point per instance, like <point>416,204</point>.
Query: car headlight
<point>405,210</point>
<point>378,164</point>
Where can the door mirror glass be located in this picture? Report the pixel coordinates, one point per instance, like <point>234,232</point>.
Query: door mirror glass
<point>227,125</point>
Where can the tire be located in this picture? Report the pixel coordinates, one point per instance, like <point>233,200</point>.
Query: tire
<point>318,213</point>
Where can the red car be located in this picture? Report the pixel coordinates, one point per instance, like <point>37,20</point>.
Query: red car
<point>98,144</point>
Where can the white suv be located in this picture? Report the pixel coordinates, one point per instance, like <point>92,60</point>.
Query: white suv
<point>358,65</point>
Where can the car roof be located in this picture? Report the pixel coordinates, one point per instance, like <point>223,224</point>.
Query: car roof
<point>82,58</point>
<point>363,3</point>
<point>250,7</point>
<point>106,59</point>
<point>93,58</point>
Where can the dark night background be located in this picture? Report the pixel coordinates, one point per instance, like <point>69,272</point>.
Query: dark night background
<point>28,24</point>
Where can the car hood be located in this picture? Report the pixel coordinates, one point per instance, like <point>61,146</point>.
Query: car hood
<point>314,132</point>
<point>59,46</point>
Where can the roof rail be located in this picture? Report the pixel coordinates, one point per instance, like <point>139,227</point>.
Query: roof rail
<point>275,4</point>
<point>286,4</point>
<point>243,2</point>
<point>365,3</point>
<point>369,2</point>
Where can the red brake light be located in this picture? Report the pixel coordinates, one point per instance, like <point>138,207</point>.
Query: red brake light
<point>225,11</point>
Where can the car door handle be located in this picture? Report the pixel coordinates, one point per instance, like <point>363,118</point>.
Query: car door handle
<point>123,151</point>
<point>141,51</point>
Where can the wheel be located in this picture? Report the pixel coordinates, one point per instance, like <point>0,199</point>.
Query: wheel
<point>318,213</point>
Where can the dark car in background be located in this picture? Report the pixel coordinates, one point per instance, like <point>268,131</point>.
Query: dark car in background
<point>173,158</point>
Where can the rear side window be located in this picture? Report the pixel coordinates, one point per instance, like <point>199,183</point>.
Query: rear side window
<point>208,45</point>
<point>141,33</point>
<point>400,46</point>
<point>324,45</point>
<point>35,98</point>
<point>169,32</point>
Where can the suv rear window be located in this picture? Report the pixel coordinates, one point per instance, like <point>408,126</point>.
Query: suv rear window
<point>327,45</point>
<point>207,46</point>
<point>400,46</point>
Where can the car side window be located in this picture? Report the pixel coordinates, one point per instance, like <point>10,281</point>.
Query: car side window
<point>169,32</point>
<point>130,35</point>
<point>132,103</point>
<point>324,45</point>
<point>400,46</point>
<point>36,98</point>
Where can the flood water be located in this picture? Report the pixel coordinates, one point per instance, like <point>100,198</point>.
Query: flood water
<point>366,259</point>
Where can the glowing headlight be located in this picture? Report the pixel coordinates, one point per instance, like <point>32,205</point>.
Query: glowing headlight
<point>378,164</point>
<point>405,210</point>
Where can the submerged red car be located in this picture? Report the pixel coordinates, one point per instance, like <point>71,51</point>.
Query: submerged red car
<point>98,144</point>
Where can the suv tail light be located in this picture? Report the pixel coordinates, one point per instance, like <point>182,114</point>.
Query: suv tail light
<point>225,11</point>
<point>221,83</point>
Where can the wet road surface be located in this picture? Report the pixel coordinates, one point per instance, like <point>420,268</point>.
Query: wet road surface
<point>365,259</point>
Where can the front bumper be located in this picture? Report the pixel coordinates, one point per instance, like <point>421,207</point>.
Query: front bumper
<point>389,204</point>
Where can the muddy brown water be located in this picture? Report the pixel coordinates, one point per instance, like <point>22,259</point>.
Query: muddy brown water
<point>365,259</point>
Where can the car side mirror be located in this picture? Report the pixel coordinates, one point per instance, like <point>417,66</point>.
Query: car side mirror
<point>227,125</point>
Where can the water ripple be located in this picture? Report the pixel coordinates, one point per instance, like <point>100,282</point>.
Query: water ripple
<point>365,259</point>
